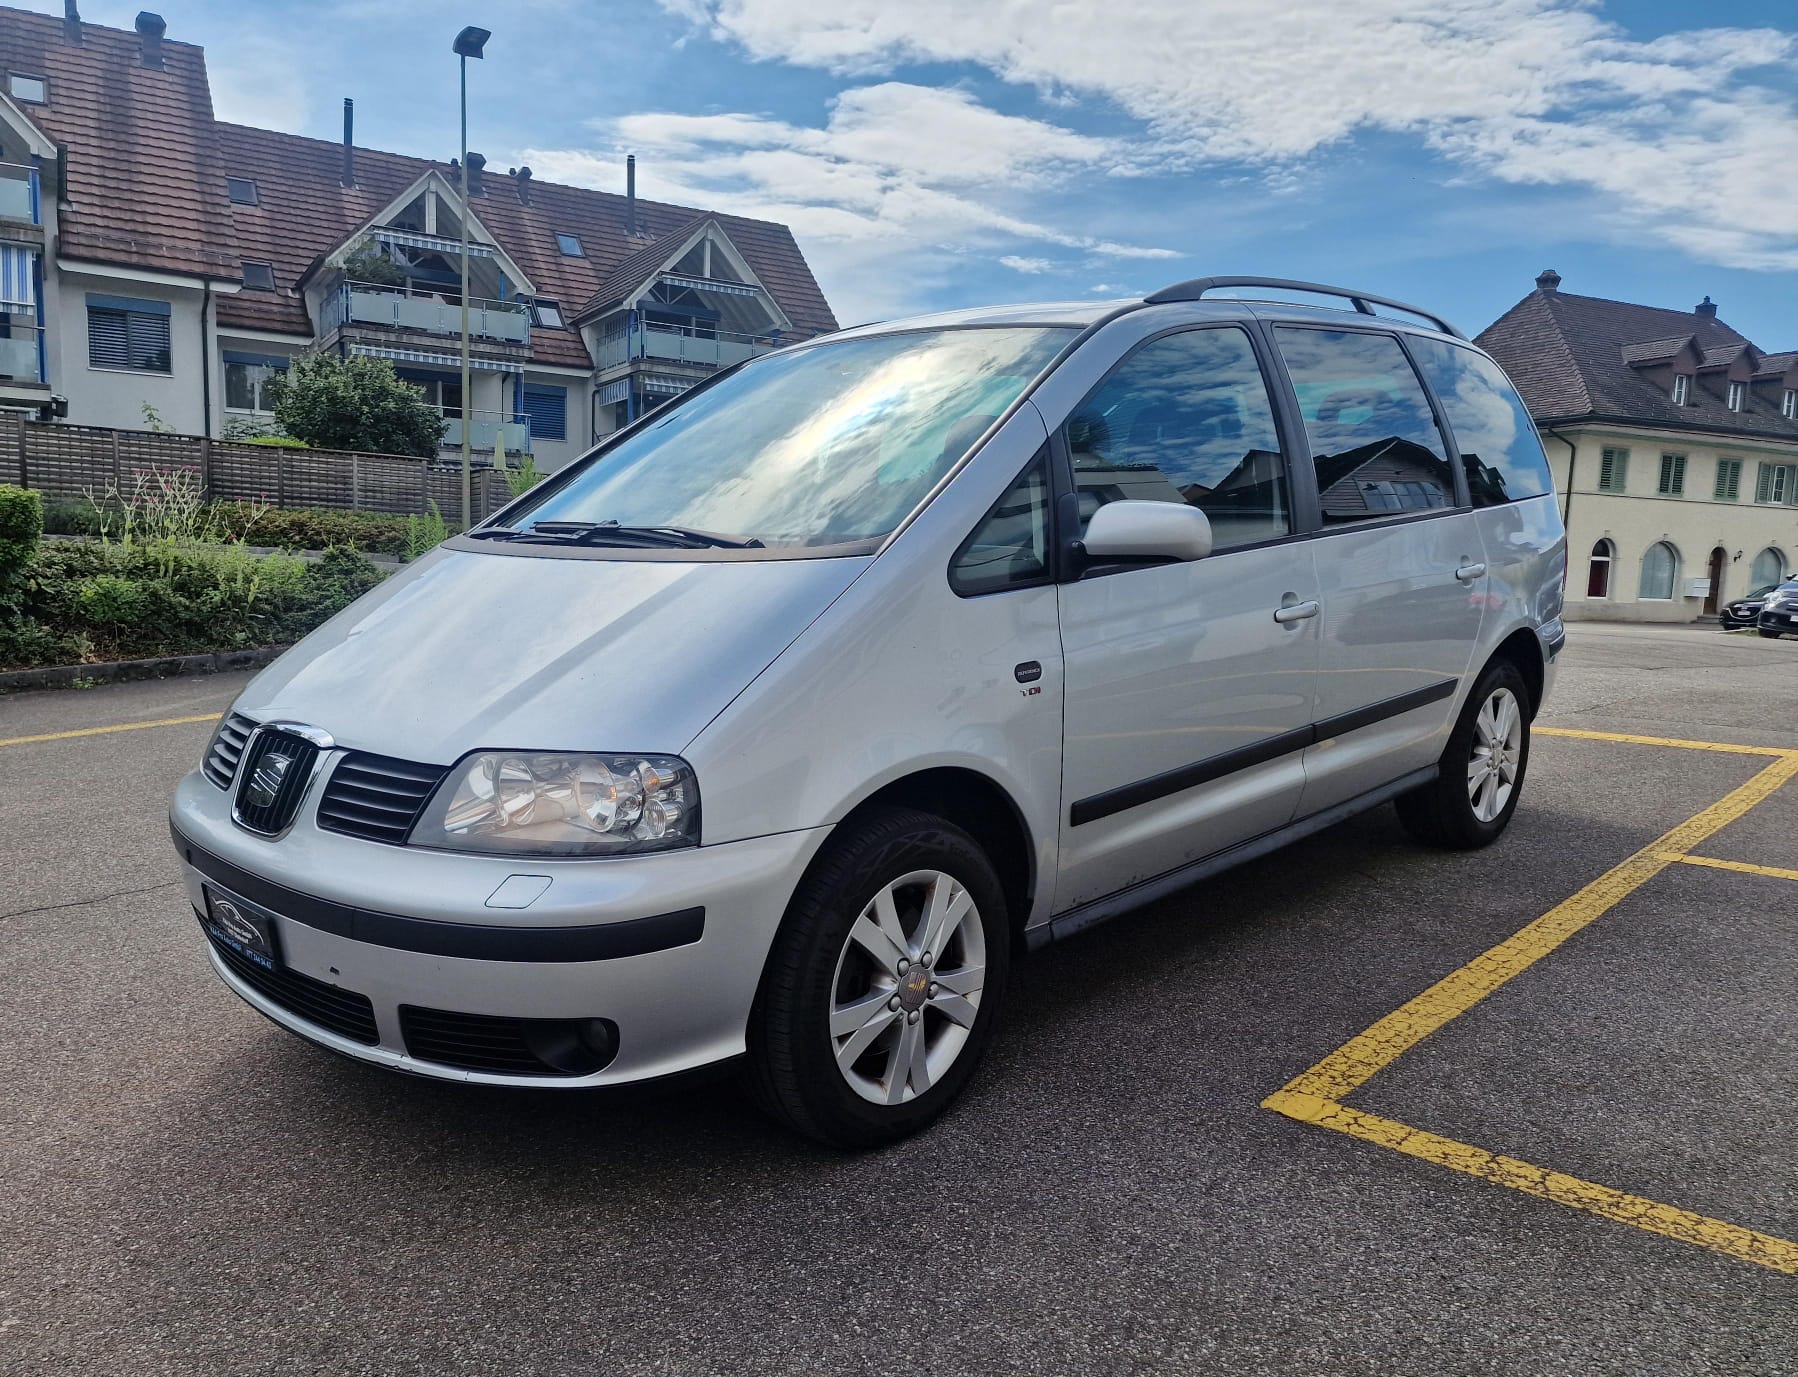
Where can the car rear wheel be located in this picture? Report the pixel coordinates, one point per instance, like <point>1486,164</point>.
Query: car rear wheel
<point>1480,779</point>
<point>884,984</point>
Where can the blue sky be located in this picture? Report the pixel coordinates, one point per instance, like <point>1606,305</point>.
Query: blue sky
<point>933,153</point>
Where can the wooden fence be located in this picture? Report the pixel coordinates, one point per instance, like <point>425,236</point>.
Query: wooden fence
<point>75,461</point>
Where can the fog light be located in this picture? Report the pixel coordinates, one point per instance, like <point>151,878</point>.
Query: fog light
<point>573,1046</point>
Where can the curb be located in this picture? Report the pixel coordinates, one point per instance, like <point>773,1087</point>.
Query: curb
<point>119,671</point>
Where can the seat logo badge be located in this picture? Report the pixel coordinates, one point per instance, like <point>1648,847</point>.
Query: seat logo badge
<point>234,923</point>
<point>265,782</point>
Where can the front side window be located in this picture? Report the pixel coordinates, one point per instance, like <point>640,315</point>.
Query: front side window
<point>1660,569</point>
<point>1010,547</point>
<point>1788,402</point>
<point>1768,568</point>
<point>1185,418</point>
<point>1374,440</point>
<point>1499,449</point>
<point>126,333</point>
<point>1681,388</point>
<point>1773,483</point>
<point>1737,395</point>
<point>820,445</point>
<point>547,408</point>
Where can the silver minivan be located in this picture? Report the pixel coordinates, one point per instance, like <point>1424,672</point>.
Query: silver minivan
<point>780,724</point>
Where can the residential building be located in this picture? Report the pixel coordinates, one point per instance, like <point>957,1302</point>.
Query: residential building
<point>1674,444</point>
<point>153,256</point>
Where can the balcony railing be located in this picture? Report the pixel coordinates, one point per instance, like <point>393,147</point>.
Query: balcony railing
<point>486,429</point>
<point>20,358</point>
<point>19,193</point>
<point>682,344</point>
<point>367,303</point>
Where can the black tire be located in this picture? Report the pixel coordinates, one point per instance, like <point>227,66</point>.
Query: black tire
<point>792,1067</point>
<point>1770,635</point>
<point>1441,814</point>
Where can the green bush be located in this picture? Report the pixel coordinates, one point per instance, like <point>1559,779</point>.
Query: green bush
<point>356,403</point>
<point>425,533</point>
<point>21,523</point>
<point>82,600</point>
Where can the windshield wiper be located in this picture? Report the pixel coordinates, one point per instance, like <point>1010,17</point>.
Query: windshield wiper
<point>628,537</point>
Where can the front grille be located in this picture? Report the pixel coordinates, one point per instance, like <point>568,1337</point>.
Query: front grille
<point>220,765</point>
<point>508,1046</point>
<point>376,797</point>
<point>268,790</point>
<point>338,1011</point>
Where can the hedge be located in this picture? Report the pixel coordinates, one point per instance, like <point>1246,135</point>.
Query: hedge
<point>284,528</point>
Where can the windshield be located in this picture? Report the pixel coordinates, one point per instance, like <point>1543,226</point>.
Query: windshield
<point>826,445</point>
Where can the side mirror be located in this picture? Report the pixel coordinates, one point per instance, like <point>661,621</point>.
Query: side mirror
<point>1147,530</point>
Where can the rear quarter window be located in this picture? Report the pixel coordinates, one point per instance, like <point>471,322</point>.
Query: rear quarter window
<point>1499,449</point>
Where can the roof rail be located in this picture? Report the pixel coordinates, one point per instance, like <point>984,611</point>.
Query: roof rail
<point>1195,288</point>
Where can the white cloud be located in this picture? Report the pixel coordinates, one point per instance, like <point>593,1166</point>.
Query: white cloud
<point>1025,265</point>
<point>1528,91</point>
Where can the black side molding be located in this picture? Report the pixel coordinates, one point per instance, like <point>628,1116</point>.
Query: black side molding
<point>467,941</point>
<point>1257,753</point>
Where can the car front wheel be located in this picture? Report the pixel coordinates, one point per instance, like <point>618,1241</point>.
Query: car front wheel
<point>884,985</point>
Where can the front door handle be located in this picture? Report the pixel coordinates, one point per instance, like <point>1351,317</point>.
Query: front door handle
<point>1467,573</point>
<point>1297,612</point>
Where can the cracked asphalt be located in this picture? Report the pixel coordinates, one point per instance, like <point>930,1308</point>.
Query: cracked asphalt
<point>190,1190</point>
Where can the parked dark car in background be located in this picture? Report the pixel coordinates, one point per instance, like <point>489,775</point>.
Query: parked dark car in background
<point>1779,613</point>
<point>1744,612</point>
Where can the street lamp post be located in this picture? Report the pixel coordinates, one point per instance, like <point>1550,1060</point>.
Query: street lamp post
<point>468,44</point>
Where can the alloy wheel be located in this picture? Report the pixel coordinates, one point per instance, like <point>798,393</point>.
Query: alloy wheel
<point>1497,750</point>
<point>907,987</point>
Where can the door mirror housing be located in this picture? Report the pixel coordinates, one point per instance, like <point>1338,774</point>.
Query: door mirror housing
<point>1147,530</point>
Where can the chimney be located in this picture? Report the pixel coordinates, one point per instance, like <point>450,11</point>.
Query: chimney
<point>475,164</point>
<point>1548,280</point>
<point>71,23</point>
<point>349,142</point>
<point>630,193</point>
<point>523,174</point>
<point>1706,308</point>
<point>150,29</point>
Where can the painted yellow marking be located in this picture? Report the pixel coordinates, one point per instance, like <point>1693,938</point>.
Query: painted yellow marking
<point>1776,872</point>
<point>1726,747</point>
<point>1351,1064</point>
<point>102,731</point>
<point>1315,1096</point>
<point>1719,1235</point>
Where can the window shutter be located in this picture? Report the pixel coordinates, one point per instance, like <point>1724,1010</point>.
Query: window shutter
<point>1673,475</point>
<point>149,337</point>
<point>1729,480</point>
<point>547,408</point>
<point>1613,470</point>
<point>108,340</point>
<point>1763,482</point>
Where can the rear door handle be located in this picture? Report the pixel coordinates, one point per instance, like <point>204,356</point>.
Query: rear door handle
<point>1298,612</point>
<point>1467,573</point>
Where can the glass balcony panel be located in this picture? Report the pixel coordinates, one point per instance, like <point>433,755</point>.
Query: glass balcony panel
<point>15,196</point>
<point>18,355</point>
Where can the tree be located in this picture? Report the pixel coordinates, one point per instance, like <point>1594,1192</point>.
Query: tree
<point>354,403</point>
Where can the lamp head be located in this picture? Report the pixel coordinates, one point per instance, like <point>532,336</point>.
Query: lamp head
<point>470,41</point>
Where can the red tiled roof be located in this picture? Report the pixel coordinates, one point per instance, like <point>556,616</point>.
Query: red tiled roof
<point>144,186</point>
<point>305,212</point>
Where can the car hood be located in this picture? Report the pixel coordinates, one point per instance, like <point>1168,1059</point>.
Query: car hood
<point>470,649</point>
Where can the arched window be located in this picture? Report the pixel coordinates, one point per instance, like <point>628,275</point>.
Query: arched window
<point>1769,567</point>
<point>1660,571</point>
<point>1598,572</point>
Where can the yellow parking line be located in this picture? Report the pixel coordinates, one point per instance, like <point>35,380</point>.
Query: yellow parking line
<point>1361,1056</point>
<point>120,727</point>
<point>1727,747</point>
<point>1774,871</point>
<point>1723,1237</point>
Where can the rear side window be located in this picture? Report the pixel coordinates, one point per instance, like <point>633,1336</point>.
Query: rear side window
<point>1185,418</point>
<point>1499,448</point>
<point>1010,547</point>
<point>1374,439</point>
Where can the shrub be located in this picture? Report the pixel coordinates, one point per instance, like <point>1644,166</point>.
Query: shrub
<point>278,441</point>
<point>425,533</point>
<point>21,523</point>
<point>357,403</point>
<point>523,476</point>
<point>93,600</point>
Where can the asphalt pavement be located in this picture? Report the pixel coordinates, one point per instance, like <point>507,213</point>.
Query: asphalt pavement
<point>190,1190</point>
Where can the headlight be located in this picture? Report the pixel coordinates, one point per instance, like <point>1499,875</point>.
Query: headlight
<point>534,803</point>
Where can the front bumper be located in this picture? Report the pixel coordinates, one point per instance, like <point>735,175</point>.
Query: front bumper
<point>621,939</point>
